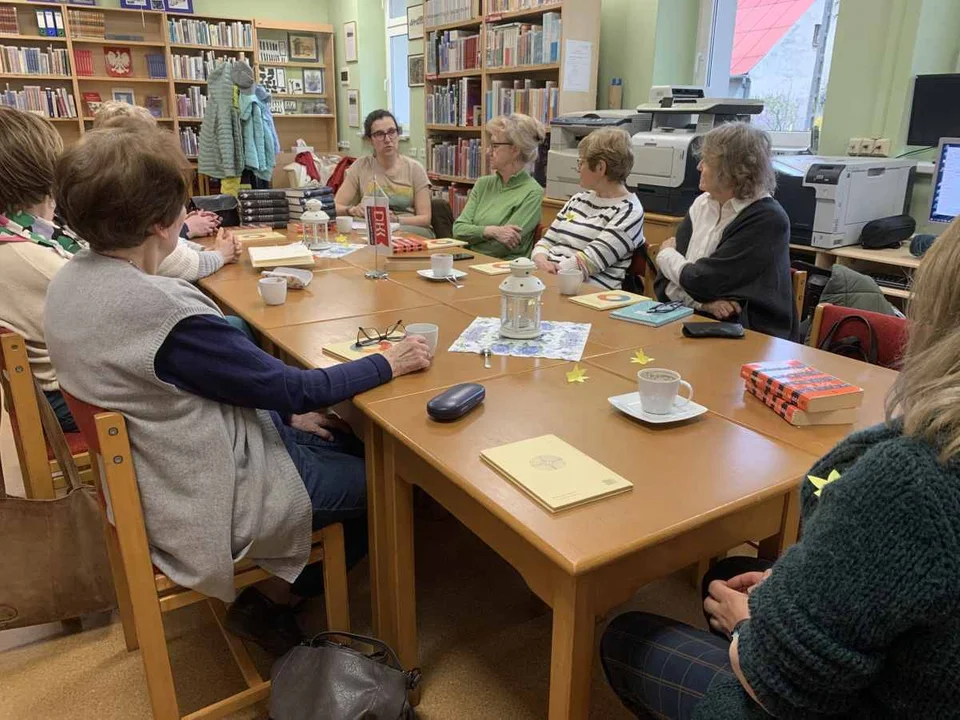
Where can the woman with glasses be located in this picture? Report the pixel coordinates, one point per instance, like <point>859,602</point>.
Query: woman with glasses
<point>731,256</point>
<point>598,230</point>
<point>503,210</point>
<point>402,178</point>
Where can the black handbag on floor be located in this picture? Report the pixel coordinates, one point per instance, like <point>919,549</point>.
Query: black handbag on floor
<point>328,678</point>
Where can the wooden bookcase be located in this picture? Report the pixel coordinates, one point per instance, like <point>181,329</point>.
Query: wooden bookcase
<point>151,35</point>
<point>580,20</point>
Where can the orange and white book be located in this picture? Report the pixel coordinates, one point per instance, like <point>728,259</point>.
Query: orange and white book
<point>405,244</point>
<point>802,418</point>
<point>608,299</point>
<point>440,243</point>
<point>801,385</point>
<point>554,473</point>
<point>494,268</point>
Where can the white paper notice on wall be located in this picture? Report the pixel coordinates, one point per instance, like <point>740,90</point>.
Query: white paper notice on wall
<point>577,65</point>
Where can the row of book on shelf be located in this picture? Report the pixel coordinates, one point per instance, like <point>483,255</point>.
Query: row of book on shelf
<point>455,195</point>
<point>461,158</point>
<point>456,103</point>
<point>9,22</point>
<point>236,35</point>
<point>49,23</point>
<point>153,103</point>
<point>538,99</point>
<point>524,43</point>
<point>34,61</point>
<point>507,6</point>
<point>49,102</point>
<point>192,104</point>
<point>441,12</point>
<point>190,142</point>
<point>87,23</point>
<point>452,51</point>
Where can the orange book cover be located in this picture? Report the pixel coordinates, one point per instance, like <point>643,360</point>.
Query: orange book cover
<point>804,386</point>
<point>801,418</point>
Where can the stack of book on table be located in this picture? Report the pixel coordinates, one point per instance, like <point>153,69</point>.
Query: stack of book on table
<point>803,395</point>
<point>264,207</point>
<point>297,200</point>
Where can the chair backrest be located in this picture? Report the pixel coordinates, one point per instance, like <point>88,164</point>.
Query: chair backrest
<point>799,278</point>
<point>84,414</point>
<point>889,332</point>
<point>635,279</point>
<point>20,398</point>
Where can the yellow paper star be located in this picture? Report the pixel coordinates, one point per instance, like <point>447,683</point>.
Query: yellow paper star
<point>820,483</point>
<point>640,358</point>
<point>570,215</point>
<point>341,238</point>
<point>577,375</point>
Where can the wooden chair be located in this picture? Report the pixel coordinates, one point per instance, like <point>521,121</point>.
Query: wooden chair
<point>41,474</point>
<point>891,331</point>
<point>144,593</point>
<point>799,278</point>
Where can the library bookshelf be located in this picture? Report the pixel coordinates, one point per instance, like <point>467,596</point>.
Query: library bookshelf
<point>481,75</point>
<point>87,30</point>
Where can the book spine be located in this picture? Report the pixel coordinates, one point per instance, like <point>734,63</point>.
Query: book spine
<point>779,405</point>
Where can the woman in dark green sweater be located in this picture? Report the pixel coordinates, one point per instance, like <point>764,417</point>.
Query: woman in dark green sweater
<point>860,618</point>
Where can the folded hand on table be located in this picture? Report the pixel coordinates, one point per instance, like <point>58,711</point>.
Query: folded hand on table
<point>408,355</point>
<point>722,309</point>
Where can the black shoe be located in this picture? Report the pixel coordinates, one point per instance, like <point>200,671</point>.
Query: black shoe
<point>255,617</point>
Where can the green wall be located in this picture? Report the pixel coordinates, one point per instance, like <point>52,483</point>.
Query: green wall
<point>311,11</point>
<point>416,129</point>
<point>676,42</point>
<point>628,30</point>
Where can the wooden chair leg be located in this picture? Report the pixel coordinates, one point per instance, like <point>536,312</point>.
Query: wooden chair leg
<point>153,650</point>
<point>335,578</point>
<point>124,605</point>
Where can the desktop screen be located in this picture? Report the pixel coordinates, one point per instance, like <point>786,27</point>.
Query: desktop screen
<point>945,202</point>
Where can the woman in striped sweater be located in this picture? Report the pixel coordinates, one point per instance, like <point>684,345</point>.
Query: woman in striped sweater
<point>598,230</point>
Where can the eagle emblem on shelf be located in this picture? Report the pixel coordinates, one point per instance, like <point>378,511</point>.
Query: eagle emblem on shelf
<point>117,61</point>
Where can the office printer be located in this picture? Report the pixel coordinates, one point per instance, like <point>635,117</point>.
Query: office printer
<point>830,199</point>
<point>566,132</point>
<point>665,175</point>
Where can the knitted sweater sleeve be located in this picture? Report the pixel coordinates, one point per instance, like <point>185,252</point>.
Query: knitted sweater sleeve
<point>876,559</point>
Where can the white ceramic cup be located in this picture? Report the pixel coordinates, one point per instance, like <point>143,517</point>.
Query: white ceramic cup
<point>344,224</point>
<point>570,281</point>
<point>659,388</point>
<point>273,290</point>
<point>441,264</point>
<point>428,331</point>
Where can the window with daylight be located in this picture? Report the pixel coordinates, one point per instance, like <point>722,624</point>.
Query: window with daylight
<point>398,92</point>
<point>777,51</point>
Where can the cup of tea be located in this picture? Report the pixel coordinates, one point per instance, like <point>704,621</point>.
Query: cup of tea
<point>441,264</point>
<point>428,331</point>
<point>273,290</point>
<point>570,281</point>
<point>658,389</point>
<point>344,224</point>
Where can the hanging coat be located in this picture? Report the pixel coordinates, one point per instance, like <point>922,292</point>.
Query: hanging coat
<point>221,140</point>
<point>259,142</point>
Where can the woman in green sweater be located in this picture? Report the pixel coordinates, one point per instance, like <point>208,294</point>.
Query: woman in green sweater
<point>503,211</point>
<point>860,618</point>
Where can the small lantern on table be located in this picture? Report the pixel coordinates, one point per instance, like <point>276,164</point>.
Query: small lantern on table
<point>313,219</point>
<point>520,301</point>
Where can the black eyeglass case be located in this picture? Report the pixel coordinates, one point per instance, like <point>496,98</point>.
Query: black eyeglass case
<point>454,403</point>
<point>728,330</point>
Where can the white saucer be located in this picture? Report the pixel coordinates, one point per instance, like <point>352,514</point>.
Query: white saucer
<point>428,275</point>
<point>682,409</point>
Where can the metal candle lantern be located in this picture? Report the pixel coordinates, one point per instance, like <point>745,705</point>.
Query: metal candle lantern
<point>520,301</point>
<point>313,219</point>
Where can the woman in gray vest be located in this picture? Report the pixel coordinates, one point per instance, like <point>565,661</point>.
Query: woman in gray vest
<point>232,458</point>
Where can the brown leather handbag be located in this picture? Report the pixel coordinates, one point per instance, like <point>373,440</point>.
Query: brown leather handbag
<point>53,554</point>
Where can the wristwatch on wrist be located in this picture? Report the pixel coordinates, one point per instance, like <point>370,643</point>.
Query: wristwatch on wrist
<point>737,628</point>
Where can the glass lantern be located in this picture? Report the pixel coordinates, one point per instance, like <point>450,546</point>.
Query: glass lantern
<point>520,301</point>
<point>313,219</point>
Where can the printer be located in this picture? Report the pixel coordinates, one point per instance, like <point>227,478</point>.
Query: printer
<point>566,132</point>
<point>665,158</point>
<point>830,199</point>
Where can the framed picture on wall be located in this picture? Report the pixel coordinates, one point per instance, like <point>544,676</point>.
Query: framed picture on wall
<point>313,82</point>
<point>415,22</point>
<point>124,95</point>
<point>350,41</point>
<point>303,47</point>
<point>156,5</point>
<point>179,6</point>
<point>344,74</point>
<point>295,86</point>
<point>135,4</point>
<point>415,70</point>
<point>353,108</point>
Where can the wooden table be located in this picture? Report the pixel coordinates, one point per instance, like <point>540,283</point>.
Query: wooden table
<point>700,487</point>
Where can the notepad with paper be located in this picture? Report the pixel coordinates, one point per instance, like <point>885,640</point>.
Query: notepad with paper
<point>296,254</point>
<point>554,473</point>
<point>639,313</point>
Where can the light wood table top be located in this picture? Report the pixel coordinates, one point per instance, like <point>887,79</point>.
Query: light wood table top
<point>331,295</point>
<point>712,366</point>
<point>305,343</point>
<point>675,487</point>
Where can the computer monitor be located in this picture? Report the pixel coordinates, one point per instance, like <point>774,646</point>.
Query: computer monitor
<point>945,198</point>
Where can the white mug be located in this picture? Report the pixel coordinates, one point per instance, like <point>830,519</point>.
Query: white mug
<point>441,264</point>
<point>570,281</point>
<point>273,290</point>
<point>428,331</point>
<point>658,389</point>
<point>344,224</point>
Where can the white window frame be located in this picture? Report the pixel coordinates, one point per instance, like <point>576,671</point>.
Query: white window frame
<point>395,26</point>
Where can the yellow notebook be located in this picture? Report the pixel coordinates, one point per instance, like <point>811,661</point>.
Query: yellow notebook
<point>348,350</point>
<point>436,244</point>
<point>289,255</point>
<point>608,299</point>
<point>554,473</point>
<point>496,268</point>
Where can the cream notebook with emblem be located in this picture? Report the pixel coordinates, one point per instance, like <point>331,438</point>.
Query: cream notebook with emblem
<point>554,473</point>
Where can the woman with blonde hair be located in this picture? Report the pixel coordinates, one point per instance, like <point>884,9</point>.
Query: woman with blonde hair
<point>859,618</point>
<point>731,256</point>
<point>503,210</point>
